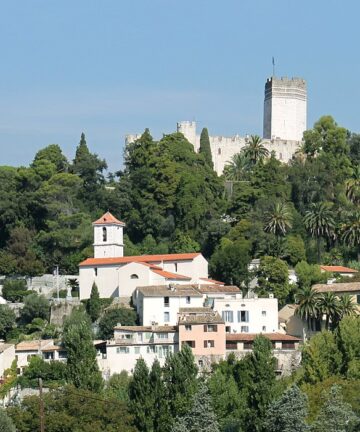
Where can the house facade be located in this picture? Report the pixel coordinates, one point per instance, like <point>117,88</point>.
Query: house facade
<point>7,356</point>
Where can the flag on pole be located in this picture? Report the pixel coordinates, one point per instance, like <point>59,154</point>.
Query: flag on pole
<point>273,61</point>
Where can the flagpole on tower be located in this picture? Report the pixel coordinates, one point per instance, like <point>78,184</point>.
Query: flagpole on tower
<point>273,64</point>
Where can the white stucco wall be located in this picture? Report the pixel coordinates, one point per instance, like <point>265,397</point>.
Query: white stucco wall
<point>113,246</point>
<point>7,356</point>
<point>262,314</point>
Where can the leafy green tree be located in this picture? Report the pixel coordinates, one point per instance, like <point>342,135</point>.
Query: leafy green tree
<point>319,220</point>
<point>53,372</point>
<point>68,409</point>
<point>352,186</point>
<point>7,320</point>
<point>160,406</point>
<point>351,232</point>
<point>336,415</point>
<point>348,340</point>
<point>52,153</point>
<point>183,243</point>
<point>346,306</point>
<point>93,306</point>
<point>295,249</point>
<point>6,424</point>
<point>112,317</point>
<point>117,387</point>
<point>229,263</point>
<point>273,278</point>
<point>205,148</point>
<point>82,367</point>
<point>309,274</point>
<point>255,151</point>
<point>141,397</point>
<point>200,416</point>
<point>278,219</point>
<point>261,365</point>
<point>228,403</point>
<point>321,358</point>
<point>288,413</point>
<point>35,306</point>
<point>14,290</point>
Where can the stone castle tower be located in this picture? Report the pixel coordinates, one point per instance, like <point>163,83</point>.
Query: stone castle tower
<point>285,108</point>
<point>108,237</point>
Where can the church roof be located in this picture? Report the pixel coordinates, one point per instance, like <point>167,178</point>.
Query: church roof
<point>139,258</point>
<point>108,219</point>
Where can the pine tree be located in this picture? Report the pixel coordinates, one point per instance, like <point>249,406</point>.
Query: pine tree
<point>6,424</point>
<point>93,305</point>
<point>141,397</point>
<point>336,415</point>
<point>200,417</point>
<point>82,368</point>
<point>288,413</point>
<point>205,148</point>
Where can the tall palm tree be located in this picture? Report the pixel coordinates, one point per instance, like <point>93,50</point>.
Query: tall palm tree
<point>329,306</point>
<point>351,233</point>
<point>278,219</point>
<point>346,306</point>
<point>255,151</point>
<point>308,301</point>
<point>237,168</point>
<point>352,186</point>
<point>319,221</point>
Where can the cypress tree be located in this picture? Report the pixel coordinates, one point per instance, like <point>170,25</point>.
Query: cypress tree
<point>205,148</point>
<point>141,397</point>
<point>81,368</point>
<point>160,406</point>
<point>93,305</point>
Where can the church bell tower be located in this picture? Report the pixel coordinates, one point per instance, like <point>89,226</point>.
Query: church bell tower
<point>108,237</point>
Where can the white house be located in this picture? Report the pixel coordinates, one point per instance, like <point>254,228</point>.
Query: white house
<point>133,342</point>
<point>7,356</point>
<point>248,315</point>
<point>160,304</point>
<point>117,276</point>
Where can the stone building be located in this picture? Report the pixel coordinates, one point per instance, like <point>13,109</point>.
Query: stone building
<point>285,106</point>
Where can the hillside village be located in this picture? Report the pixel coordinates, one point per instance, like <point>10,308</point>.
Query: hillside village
<point>234,286</point>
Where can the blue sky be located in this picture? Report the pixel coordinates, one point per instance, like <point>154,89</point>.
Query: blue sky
<point>111,67</point>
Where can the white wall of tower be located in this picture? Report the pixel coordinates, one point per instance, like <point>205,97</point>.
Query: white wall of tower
<point>109,243</point>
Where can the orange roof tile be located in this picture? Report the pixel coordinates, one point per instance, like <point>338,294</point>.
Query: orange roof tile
<point>213,281</point>
<point>249,337</point>
<point>108,219</point>
<point>338,269</point>
<point>139,258</point>
<point>169,275</point>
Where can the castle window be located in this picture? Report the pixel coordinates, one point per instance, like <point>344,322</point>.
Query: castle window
<point>95,271</point>
<point>219,151</point>
<point>134,276</point>
<point>104,234</point>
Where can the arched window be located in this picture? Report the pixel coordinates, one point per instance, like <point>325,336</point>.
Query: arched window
<point>134,276</point>
<point>104,234</point>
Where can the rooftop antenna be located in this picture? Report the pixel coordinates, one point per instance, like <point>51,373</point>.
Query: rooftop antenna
<point>273,65</point>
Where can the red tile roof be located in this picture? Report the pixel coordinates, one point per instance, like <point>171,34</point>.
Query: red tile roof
<point>338,287</point>
<point>249,337</point>
<point>338,269</point>
<point>108,219</point>
<point>169,275</point>
<point>213,281</point>
<point>139,258</point>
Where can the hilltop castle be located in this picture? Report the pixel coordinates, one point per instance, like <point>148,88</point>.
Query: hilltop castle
<point>285,105</point>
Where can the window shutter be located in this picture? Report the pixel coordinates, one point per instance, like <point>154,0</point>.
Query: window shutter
<point>205,328</point>
<point>205,344</point>
<point>215,328</point>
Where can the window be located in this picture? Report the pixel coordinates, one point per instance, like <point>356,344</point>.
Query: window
<point>219,151</point>
<point>104,234</point>
<point>228,316</point>
<point>151,349</point>
<point>137,350</point>
<point>166,316</point>
<point>263,328</point>
<point>288,345</point>
<point>247,345</point>
<point>162,335</point>
<point>188,327</point>
<point>243,316</point>
<point>263,313</point>
<point>190,343</point>
<point>148,335</point>
<point>358,299</point>
<point>62,355</point>
<point>95,271</point>
<point>228,329</point>
<point>231,345</point>
<point>134,276</point>
<point>210,327</point>
<point>175,267</point>
<point>166,301</point>
<point>188,300</point>
<point>209,344</point>
<point>244,329</point>
<point>201,363</point>
<point>122,350</point>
